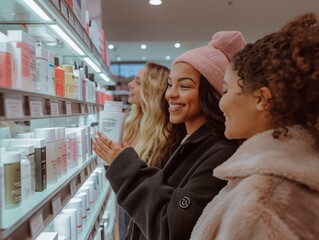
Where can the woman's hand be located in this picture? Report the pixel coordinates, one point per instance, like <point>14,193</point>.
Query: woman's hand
<point>106,149</point>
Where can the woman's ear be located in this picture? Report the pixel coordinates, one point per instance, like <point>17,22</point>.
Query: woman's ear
<point>263,97</point>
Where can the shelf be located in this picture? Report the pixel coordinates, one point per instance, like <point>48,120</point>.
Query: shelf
<point>18,105</point>
<point>31,217</point>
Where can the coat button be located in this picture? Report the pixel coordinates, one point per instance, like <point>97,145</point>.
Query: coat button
<point>185,202</point>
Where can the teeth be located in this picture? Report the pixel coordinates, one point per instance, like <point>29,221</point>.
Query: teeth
<point>175,105</point>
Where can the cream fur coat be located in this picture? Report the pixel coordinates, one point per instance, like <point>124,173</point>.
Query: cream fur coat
<point>272,192</point>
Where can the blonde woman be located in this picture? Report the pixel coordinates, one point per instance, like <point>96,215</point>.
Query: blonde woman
<point>145,121</point>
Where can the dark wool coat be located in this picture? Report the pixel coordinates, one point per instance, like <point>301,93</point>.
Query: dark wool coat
<point>165,204</point>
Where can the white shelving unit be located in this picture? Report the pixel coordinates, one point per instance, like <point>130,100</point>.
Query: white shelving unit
<point>16,106</point>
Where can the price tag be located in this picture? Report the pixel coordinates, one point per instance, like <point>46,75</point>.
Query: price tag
<point>56,3</point>
<point>82,177</point>
<point>64,10</point>
<point>36,224</point>
<point>56,205</point>
<point>68,108</point>
<point>73,187</point>
<point>87,40</point>
<point>71,20</point>
<point>82,108</point>
<point>88,169</point>
<point>36,108</point>
<point>54,108</point>
<point>13,107</point>
<point>78,28</point>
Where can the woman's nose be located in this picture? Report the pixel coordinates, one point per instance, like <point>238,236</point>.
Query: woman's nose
<point>171,93</point>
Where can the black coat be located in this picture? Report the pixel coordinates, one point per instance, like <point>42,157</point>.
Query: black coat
<point>165,204</point>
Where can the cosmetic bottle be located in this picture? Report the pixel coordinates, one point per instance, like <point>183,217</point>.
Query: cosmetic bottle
<point>12,179</point>
<point>51,152</point>
<point>59,79</point>
<point>25,168</point>
<point>112,121</point>
<point>29,152</point>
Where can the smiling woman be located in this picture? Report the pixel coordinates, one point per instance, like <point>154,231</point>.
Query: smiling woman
<point>159,200</point>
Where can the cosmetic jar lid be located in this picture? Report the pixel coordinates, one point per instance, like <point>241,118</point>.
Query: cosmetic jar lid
<point>10,157</point>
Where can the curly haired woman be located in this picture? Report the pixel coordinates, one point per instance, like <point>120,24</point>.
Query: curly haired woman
<point>271,98</point>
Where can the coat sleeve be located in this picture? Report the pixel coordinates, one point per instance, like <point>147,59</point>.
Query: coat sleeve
<point>162,211</point>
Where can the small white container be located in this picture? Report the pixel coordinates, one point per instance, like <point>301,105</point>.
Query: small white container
<point>72,212</point>
<point>77,204</point>
<point>62,225</point>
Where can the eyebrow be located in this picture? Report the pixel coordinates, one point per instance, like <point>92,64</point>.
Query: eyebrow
<point>182,79</point>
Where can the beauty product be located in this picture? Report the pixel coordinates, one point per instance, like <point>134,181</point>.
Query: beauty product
<point>77,204</point>
<point>51,75</point>
<point>40,153</point>
<point>42,66</point>
<point>81,141</point>
<point>25,168</point>
<point>71,149</point>
<point>58,144</point>
<point>59,79</point>
<point>69,81</point>
<point>33,73</point>
<point>29,151</point>
<point>51,153</point>
<point>7,63</point>
<point>20,43</point>
<point>64,162</point>
<point>84,197</point>
<point>77,82</point>
<point>93,193</point>
<point>72,213</point>
<point>12,179</point>
<point>85,189</point>
<point>62,225</point>
<point>112,121</point>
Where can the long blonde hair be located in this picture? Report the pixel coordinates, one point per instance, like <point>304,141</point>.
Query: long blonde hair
<point>144,124</point>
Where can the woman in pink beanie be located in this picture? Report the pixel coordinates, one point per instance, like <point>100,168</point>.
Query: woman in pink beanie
<point>166,203</point>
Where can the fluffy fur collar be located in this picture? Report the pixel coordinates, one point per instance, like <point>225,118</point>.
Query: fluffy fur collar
<point>293,158</point>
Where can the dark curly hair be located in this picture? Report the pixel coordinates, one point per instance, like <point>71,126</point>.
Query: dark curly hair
<point>287,62</point>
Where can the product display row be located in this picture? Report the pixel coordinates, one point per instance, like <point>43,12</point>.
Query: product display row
<point>53,85</point>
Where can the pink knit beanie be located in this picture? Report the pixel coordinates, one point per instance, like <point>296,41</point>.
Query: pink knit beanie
<point>211,60</point>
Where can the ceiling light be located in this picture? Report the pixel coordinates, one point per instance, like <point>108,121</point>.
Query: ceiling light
<point>177,45</point>
<point>36,9</point>
<point>111,46</point>
<point>143,58</point>
<point>92,64</point>
<point>118,58</point>
<point>143,46</point>
<point>106,78</point>
<point>155,2</point>
<point>168,57</point>
<point>67,39</point>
